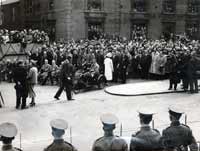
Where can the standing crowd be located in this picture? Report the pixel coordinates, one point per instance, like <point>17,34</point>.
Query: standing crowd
<point>118,59</point>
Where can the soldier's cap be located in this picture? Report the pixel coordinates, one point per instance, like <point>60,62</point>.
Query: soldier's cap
<point>177,114</point>
<point>145,116</point>
<point>8,130</point>
<point>109,119</point>
<point>59,124</point>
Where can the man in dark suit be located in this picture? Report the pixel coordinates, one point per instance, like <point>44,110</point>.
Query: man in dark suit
<point>178,136</point>
<point>66,78</point>
<point>21,85</point>
<point>146,139</point>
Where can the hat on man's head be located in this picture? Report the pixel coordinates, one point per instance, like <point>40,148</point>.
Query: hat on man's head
<point>109,119</point>
<point>175,112</point>
<point>8,130</point>
<point>59,124</point>
<point>146,116</point>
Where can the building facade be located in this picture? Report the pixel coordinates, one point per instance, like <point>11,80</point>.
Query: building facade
<point>10,14</point>
<point>87,18</point>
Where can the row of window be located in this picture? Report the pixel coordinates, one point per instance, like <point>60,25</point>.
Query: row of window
<point>169,6</point>
<point>34,6</point>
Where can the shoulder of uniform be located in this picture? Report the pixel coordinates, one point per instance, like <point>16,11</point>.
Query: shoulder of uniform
<point>156,131</point>
<point>98,139</point>
<point>46,149</point>
<point>166,129</point>
<point>17,149</point>
<point>138,132</point>
<point>68,144</point>
<point>185,125</point>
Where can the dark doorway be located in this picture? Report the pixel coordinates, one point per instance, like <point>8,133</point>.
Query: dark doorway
<point>95,30</point>
<point>168,30</point>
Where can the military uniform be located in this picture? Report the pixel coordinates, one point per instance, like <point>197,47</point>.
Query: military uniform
<point>10,148</point>
<point>109,142</point>
<point>8,131</point>
<point>147,139</point>
<point>58,130</point>
<point>178,136</point>
<point>60,145</point>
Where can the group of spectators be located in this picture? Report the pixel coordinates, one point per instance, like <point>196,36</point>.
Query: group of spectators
<point>176,58</point>
<point>23,36</point>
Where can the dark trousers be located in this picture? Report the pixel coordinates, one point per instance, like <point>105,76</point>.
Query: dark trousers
<point>21,99</point>
<point>193,83</point>
<point>171,83</point>
<point>123,76</point>
<point>68,88</point>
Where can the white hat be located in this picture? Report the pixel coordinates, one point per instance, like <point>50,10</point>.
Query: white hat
<point>109,55</point>
<point>8,130</point>
<point>59,124</point>
<point>109,119</point>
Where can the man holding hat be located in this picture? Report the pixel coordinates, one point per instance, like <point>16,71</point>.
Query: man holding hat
<point>58,130</point>
<point>109,142</point>
<point>178,136</point>
<point>147,139</point>
<point>8,131</point>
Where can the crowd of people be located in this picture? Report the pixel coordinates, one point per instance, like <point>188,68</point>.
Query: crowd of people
<point>176,137</point>
<point>175,58</point>
<point>23,36</point>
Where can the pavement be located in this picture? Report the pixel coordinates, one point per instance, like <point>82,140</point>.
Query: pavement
<point>148,88</point>
<point>83,114</point>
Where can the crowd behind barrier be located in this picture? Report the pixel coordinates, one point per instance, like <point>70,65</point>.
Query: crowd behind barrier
<point>175,58</point>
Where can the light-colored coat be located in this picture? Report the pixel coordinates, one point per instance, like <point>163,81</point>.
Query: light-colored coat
<point>108,69</point>
<point>33,74</point>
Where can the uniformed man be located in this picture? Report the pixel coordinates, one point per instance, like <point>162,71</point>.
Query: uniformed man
<point>146,139</point>
<point>58,130</point>
<point>21,85</point>
<point>178,136</point>
<point>109,142</point>
<point>8,131</point>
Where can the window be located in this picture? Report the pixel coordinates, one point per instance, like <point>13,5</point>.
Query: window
<point>169,6</point>
<point>139,5</point>
<point>168,29</point>
<point>95,29</point>
<point>28,5</point>
<point>139,31</point>
<point>193,6</point>
<point>192,29</point>
<point>51,4</point>
<point>94,5</point>
<point>13,14</point>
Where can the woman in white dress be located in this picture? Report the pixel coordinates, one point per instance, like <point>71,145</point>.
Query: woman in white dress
<point>108,67</point>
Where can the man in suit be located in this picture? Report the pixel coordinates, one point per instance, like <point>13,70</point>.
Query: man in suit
<point>66,78</point>
<point>58,130</point>
<point>21,86</point>
<point>109,142</point>
<point>8,131</point>
<point>178,136</point>
<point>146,139</point>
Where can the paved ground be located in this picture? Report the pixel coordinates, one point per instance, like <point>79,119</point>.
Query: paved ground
<point>148,88</point>
<point>83,114</point>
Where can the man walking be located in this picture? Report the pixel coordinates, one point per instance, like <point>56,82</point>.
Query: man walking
<point>66,78</point>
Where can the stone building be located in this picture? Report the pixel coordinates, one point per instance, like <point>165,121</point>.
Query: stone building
<point>10,14</point>
<point>85,18</point>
